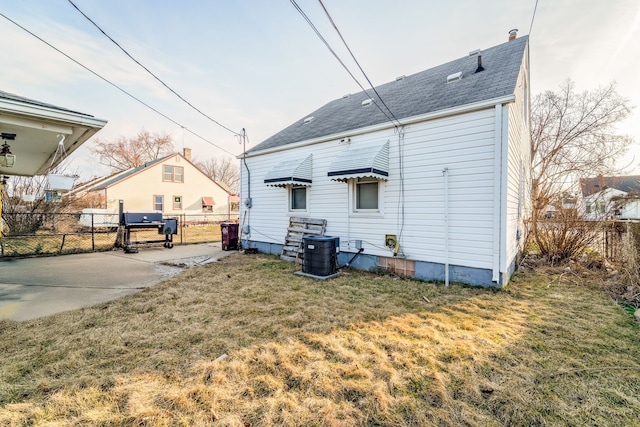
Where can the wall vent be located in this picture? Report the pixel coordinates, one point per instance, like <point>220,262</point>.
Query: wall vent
<point>367,102</point>
<point>454,77</point>
<point>309,119</point>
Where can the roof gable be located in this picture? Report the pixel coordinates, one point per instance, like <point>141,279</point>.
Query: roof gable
<point>627,184</point>
<point>121,176</point>
<point>106,182</point>
<point>414,95</point>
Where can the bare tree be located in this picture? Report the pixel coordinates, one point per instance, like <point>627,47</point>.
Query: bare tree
<point>223,170</point>
<point>573,136</point>
<point>27,202</point>
<point>126,153</point>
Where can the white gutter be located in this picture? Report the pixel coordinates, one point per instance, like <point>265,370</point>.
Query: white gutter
<point>388,125</point>
<point>497,193</point>
<point>41,112</point>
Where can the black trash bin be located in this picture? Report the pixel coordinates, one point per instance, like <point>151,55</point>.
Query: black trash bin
<point>229,231</point>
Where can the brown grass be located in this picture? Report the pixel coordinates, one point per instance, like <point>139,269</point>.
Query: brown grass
<point>56,244</point>
<point>362,349</point>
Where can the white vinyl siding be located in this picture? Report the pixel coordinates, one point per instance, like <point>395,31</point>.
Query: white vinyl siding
<point>518,191</point>
<point>464,144</point>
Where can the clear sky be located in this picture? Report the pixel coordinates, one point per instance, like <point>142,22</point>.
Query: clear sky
<point>256,64</point>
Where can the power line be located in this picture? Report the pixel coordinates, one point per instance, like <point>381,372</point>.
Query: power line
<point>533,17</point>
<point>113,84</point>
<point>306,18</point>
<point>148,71</point>
<point>356,61</point>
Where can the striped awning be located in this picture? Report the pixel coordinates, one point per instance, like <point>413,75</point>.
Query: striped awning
<point>207,201</point>
<point>372,162</point>
<point>290,172</point>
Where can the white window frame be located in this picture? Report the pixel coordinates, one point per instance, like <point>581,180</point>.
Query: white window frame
<point>353,198</point>
<point>306,198</point>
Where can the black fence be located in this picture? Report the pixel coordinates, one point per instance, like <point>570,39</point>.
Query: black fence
<point>33,234</point>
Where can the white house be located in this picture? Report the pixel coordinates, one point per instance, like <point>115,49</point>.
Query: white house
<point>171,185</point>
<point>443,172</point>
<point>609,197</point>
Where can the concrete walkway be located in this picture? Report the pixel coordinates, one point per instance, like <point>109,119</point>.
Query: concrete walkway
<point>35,287</point>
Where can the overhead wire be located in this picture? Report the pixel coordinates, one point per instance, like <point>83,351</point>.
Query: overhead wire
<point>149,71</point>
<point>390,116</point>
<point>399,130</point>
<point>115,85</point>
<point>535,8</point>
<point>326,43</point>
<point>357,63</point>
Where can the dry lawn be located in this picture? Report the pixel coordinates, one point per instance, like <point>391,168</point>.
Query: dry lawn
<point>362,349</point>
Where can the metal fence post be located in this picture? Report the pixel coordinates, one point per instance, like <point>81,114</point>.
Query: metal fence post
<point>93,235</point>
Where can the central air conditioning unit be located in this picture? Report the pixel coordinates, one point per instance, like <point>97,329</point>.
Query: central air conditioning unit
<point>320,255</point>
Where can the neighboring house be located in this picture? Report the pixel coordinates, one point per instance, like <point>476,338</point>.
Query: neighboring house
<point>449,185</point>
<point>171,185</point>
<point>609,197</point>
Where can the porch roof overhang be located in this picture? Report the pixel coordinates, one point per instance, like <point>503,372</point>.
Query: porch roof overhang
<point>369,162</point>
<point>38,129</point>
<point>291,172</point>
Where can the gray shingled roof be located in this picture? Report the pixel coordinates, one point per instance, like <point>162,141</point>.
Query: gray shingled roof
<point>628,184</point>
<point>421,93</point>
<point>23,100</point>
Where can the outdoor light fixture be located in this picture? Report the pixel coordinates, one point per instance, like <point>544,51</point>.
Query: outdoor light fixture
<point>7,158</point>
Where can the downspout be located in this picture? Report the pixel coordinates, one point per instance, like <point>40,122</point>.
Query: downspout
<point>445,173</point>
<point>248,199</point>
<point>497,194</point>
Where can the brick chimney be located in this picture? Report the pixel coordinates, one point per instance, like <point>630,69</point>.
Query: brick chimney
<point>187,153</point>
<point>513,34</point>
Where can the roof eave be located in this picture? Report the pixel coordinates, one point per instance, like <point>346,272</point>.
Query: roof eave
<point>388,125</point>
<point>42,112</point>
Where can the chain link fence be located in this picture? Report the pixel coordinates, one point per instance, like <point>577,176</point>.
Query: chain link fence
<point>34,234</point>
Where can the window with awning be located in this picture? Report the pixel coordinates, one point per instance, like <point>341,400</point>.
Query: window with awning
<point>367,162</point>
<point>207,204</point>
<point>291,172</point>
